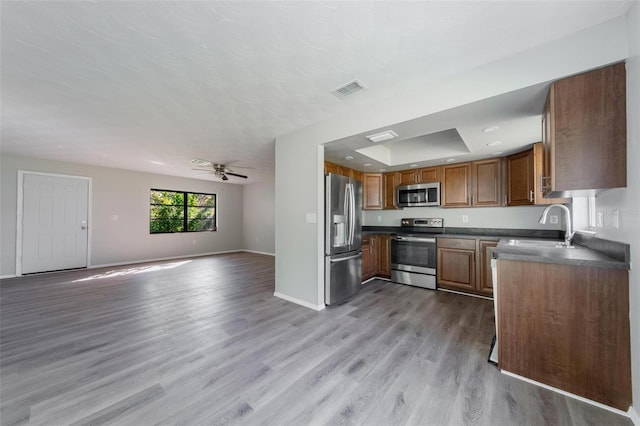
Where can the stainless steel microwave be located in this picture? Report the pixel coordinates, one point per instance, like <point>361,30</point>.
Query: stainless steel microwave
<point>418,195</point>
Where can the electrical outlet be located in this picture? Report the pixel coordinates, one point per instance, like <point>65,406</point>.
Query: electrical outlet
<point>114,217</point>
<point>310,218</point>
<point>600,219</point>
<point>379,218</point>
<point>554,219</point>
<point>465,218</point>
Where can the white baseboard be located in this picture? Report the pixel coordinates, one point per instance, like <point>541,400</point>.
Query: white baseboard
<point>298,301</point>
<point>259,252</point>
<point>633,415</point>
<point>2,277</point>
<point>574,396</point>
<point>160,259</point>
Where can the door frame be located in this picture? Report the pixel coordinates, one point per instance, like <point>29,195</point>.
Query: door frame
<point>19,213</point>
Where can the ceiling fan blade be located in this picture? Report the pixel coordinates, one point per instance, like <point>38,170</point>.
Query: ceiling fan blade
<point>237,175</point>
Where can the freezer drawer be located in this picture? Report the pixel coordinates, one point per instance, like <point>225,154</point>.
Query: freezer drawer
<point>343,277</point>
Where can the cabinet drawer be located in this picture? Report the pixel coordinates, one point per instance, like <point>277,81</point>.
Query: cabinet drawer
<point>457,243</point>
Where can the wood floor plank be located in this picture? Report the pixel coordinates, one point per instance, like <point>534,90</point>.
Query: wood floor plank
<point>204,341</point>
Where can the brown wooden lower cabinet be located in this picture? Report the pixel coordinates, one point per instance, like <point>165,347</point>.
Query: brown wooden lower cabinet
<point>568,327</point>
<point>384,264</point>
<point>464,264</point>
<point>376,256</point>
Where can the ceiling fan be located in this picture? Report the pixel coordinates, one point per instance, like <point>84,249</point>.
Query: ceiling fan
<point>217,169</point>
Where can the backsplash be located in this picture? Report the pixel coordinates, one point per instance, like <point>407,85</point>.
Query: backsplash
<point>525,217</point>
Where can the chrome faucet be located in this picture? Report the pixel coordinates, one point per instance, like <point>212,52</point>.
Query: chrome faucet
<point>568,235</point>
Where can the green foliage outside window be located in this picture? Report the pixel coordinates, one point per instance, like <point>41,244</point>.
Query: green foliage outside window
<point>173,211</point>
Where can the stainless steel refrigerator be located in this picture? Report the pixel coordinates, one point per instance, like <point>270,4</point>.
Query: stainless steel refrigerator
<point>343,238</point>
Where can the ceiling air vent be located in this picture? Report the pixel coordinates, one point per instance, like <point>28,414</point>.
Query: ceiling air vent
<point>349,88</point>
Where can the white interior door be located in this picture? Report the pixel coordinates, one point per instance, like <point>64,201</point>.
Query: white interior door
<point>54,222</point>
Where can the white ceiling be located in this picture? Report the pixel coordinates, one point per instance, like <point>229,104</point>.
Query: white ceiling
<point>133,84</point>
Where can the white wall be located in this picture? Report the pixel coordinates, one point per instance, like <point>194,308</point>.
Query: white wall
<point>126,194</point>
<point>258,217</point>
<point>297,154</point>
<point>479,217</point>
<point>627,200</point>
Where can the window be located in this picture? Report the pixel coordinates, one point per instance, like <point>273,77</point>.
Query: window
<point>174,211</point>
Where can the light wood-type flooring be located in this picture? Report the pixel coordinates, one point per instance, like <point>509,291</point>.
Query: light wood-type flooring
<point>204,341</point>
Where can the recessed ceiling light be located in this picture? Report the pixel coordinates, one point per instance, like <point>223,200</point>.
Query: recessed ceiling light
<point>158,163</point>
<point>348,157</point>
<point>383,136</point>
<point>496,153</point>
<point>450,160</point>
<point>382,170</point>
<point>494,143</point>
<point>367,164</point>
<point>490,129</point>
<point>413,165</point>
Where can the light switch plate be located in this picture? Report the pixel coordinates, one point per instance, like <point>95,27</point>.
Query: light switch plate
<point>465,218</point>
<point>310,218</point>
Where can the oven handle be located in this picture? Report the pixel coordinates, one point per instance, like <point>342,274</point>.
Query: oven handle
<point>413,239</point>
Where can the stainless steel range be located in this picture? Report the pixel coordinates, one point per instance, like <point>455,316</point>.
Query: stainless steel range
<point>413,252</point>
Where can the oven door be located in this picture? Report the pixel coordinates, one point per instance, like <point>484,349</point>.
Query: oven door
<point>413,254</point>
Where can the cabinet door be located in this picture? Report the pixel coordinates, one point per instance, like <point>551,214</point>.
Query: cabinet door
<point>538,166</point>
<point>372,191</point>
<point>408,177</point>
<point>330,168</point>
<point>485,279</point>
<point>366,256</point>
<point>384,269</point>
<point>456,185</point>
<point>374,258</point>
<point>429,174</point>
<point>548,145</point>
<point>520,190</point>
<point>589,138</point>
<point>355,174</point>
<point>487,183</point>
<point>456,268</point>
<point>391,181</point>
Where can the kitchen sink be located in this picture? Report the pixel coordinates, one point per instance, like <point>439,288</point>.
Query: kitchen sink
<point>538,244</point>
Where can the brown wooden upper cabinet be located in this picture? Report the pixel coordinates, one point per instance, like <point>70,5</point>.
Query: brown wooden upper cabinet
<point>330,167</point>
<point>520,179</point>
<point>524,171</point>
<point>478,184</point>
<point>372,191</point>
<point>391,181</point>
<point>585,133</point>
<point>427,174</point>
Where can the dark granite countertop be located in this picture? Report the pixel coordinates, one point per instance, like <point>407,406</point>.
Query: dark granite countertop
<point>451,232</point>
<point>578,256</point>
<point>589,251</point>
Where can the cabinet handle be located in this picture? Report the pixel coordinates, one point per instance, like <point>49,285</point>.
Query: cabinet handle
<point>531,195</point>
<point>506,200</point>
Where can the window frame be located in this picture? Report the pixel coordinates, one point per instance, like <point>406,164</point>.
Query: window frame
<point>185,211</point>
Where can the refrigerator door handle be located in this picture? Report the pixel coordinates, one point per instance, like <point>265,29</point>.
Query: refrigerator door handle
<point>342,259</point>
<point>347,203</point>
<point>352,214</point>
